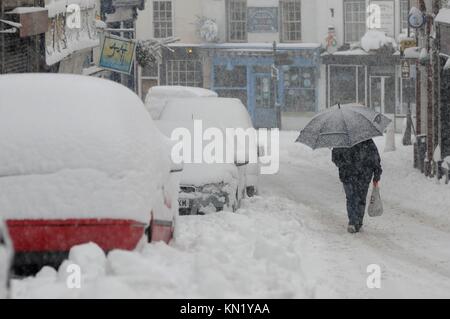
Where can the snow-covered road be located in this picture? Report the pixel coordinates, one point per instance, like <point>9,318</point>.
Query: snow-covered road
<point>290,242</point>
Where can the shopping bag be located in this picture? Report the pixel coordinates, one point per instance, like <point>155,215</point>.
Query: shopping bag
<point>375,208</point>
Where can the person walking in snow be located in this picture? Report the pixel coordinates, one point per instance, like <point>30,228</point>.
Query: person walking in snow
<point>358,166</point>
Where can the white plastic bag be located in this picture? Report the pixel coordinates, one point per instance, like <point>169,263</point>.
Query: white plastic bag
<point>375,208</point>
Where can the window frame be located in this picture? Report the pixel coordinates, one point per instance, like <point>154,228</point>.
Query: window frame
<point>196,73</point>
<point>230,21</point>
<point>354,23</point>
<point>168,30</point>
<point>283,23</point>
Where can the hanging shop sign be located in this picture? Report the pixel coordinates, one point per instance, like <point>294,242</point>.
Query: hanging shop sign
<point>407,44</point>
<point>444,38</point>
<point>262,20</point>
<point>71,28</point>
<point>117,54</point>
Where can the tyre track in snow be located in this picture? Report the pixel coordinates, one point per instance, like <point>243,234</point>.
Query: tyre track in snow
<point>404,240</point>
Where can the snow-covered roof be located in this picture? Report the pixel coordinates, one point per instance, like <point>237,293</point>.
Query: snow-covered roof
<point>356,51</point>
<point>77,147</point>
<point>262,46</point>
<point>443,16</point>
<point>412,53</point>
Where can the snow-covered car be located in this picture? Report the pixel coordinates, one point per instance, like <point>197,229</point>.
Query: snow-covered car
<point>82,161</point>
<point>158,96</point>
<point>207,187</point>
<point>6,254</point>
<point>224,113</point>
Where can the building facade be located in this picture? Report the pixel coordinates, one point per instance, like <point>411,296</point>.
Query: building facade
<point>228,46</point>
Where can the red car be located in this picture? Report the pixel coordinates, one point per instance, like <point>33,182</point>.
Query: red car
<point>82,161</point>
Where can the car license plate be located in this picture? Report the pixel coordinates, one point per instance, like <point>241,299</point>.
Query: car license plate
<point>183,203</point>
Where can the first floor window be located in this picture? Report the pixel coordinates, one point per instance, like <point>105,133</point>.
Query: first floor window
<point>184,73</point>
<point>237,20</point>
<point>354,20</point>
<point>162,19</point>
<point>291,15</point>
<point>404,14</point>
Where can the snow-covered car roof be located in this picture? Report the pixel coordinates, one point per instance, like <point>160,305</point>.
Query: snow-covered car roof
<point>226,112</point>
<point>76,147</point>
<point>158,96</point>
<point>179,91</point>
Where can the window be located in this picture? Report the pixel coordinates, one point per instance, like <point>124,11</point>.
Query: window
<point>404,14</point>
<point>347,84</point>
<point>237,20</point>
<point>162,19</point>
<point>291,15</point>
<point>354,20</point>
<point>184,73</point>
<point>299,93</point>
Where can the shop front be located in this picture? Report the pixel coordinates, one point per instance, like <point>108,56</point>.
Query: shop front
<point>443,35</point>
<point>268,86</point>
<point>375,80</point>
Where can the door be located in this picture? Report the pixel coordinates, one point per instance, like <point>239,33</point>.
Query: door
<point>264,112</point>
<point>377,94</point>
<point>382,94</point>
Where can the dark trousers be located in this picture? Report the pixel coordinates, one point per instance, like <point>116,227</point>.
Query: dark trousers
<point>356,194</point>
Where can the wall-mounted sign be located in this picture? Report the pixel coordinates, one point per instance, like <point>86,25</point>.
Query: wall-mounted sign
<point>262,20</point>
<point>416,18</point>
<point>117,54</point>
<point>63,38</point>
<point>406,69</point>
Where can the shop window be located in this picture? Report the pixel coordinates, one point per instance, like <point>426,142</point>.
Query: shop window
<point>162,19</point>
<point>230,77</point>
<point>347,85</point>
<point>354,20</point>
<point>184,73</point>
<point>237,20</point>
<point>291,15</point>
<point>299,89</point>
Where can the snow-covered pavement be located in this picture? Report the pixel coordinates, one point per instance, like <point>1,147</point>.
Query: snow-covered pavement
<point>290,242</point>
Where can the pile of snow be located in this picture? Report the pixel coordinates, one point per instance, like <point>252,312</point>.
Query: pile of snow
<point>77,147</point>
<point>250,254</point>
<point>375,40</point>
<point>412,53</point>
<point>157,96</point>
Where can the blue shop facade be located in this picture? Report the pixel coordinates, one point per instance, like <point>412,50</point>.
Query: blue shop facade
<point>246,71</point>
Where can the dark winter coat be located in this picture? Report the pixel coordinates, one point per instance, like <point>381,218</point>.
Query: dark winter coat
<point>359,163</point>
